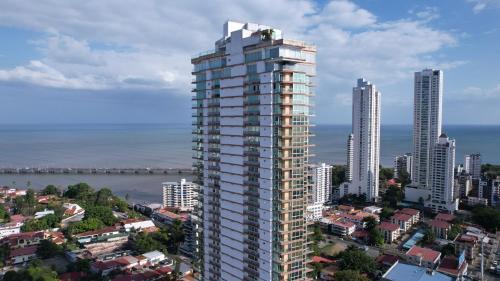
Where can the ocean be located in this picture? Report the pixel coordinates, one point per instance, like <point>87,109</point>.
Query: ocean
<point>169,146</point>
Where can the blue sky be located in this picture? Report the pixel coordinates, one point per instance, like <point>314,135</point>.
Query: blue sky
<point>123,61</point>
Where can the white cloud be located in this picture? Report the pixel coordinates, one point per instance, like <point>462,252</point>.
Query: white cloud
<point>128,44</point>
<point>474,93</point>
<point>480,5</point>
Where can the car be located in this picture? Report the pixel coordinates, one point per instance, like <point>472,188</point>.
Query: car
<point>494,262</point>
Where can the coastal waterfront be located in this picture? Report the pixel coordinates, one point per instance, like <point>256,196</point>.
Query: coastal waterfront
<point>169,146</point>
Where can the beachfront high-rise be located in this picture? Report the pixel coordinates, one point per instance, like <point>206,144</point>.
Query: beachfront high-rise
<point>442,176</point>
<point>251,133</point>
<point>322,186</point>
<point>350,157</point>
<point>427,119</point>
<point>180,195</point>
<point>403,165</point>
<point>472,165</point>
<point>365,141</point>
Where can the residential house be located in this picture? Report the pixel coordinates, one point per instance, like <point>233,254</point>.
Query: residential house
<point>403,220</point>
<point>41,214</point>
<point>120,264</point>
<point>440,228</point>
<point>467,243</point>
<point>137,224</point>
<point>415,214</point>
<point>341,228</point>
<point>423,257</point>
<point>445,217</point>
<point>106,234</point>
<point>23,239</point>
<point>21,255</point>
<point>389,230</point>
<point>454,267</point>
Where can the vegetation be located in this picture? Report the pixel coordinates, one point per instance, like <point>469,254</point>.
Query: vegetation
<point>349,275</point>
<point>454,231</point>
<point>35,272</point>
<point>26,204</point>
<point>386,213</point>
<point>47,222</point>
<point>50,190</point>
<point>375,237</point>
<point>356,259</point>
<point>385,174</point>
<point>4,215</point>
<point>102,213</point>
<point>448,249</point>
<point>4,253</point>
<point>392,196</point>
<point>48,249</point>
<point>317,238</point>
<point>353,199</point>
<point>338,175</point>
<point>490,171</point>
<point>428,238</point>
<point>404,178</point>
<point>79,266</point>
<point>487,217</point>
<point>84,225</point>
<point>167,240</point>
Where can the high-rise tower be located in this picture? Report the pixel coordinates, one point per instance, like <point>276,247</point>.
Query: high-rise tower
<point>251,132</point>
<point>427,119</point>
<point>350,157</point>
<point>365,141</point>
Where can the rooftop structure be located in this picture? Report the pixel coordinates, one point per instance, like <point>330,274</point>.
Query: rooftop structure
<point>407,272</point>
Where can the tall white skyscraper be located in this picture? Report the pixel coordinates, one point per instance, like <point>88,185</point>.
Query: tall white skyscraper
<point>251,135</point>
<point>442,176</point>
<point>427,119</point>
<point>472,165</point>
<point>322,184</point>
<point>350,157</point>
<point>366,140</point>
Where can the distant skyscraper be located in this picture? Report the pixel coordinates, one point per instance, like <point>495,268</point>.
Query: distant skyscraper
<point>403,163</point>
<point>350,157</point>
<point>427,118</point>
<point>442,176</point>
<point>251,134</point>
<point>180,195</point>
<point>472,165</point>
<point>365,140</point>
<point>322,184</point>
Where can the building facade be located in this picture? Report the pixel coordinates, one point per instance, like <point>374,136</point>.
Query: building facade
<point>442,176</point>
<point>350,157</point>
<point>322,184</point>
<point>180,195</point>
<point>251,134</point>
<point>403,164</point>
<point>365,140</point>
<point>427,121</point>
<point>472,165</point>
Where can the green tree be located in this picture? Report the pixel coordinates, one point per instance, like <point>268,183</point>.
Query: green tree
<point>428,238</point>
<point>79,266</point>
<point>48,249</point>
<point>50,190</point>
<point>103,197</point>
<point>371,223</point>
<point>448,249</point>
<point>354,258</point>
<point>84,225</point>
<point>80,191</point>
<point>4,215</point>
<point>386,213</point>
<point>385,174</point>
<point>349,275</point>
<point>376,237</point>
<point>46,222</point>
<point>392,196</point>
<point>33,273</point>
<point>103,213</point>
<point>486,217</point>
<point>454,231</point>
<point>4,253</point>
<point>338,175</point>
<point>404,178</point>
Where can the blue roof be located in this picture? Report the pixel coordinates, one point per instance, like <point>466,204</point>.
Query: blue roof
<point>407,272</point>
<point>414,239</point>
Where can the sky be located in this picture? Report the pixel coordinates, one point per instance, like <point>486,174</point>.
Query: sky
<point>126,61</point>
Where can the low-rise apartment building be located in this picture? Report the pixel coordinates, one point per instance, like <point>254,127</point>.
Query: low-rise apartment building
<point>390,231</point>
<point>440,228</point>
<point>423,257</point>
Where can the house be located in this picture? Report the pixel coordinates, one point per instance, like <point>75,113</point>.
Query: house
<point>468,244</point>
<point>403,220</point>
<point>107,234</point>
<point>445,217</point>
<point>154,257</point>
<point>137,224</point>
<point>166,217</point>
<point>56,237</point>
<point>345,208</point>
<point>21,255</point>
<point>342,228</point>
<point>389,230</point>
<point>408,272</point>
<point>358,218</point>
<point>372,209</point>
<point>387,260</point>
<point>415,214</point>
<point>41,214</point>
<point>440,228</point>
<point>328,272</point>
<point>22,240</point>
<point>453,266</point>
<point>71,209</point>
<point>72,276</point>
<point>423,257</point>
<point>120,264</point>
<point>10,228</point>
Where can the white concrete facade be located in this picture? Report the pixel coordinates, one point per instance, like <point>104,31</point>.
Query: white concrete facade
<point>472,165</point>
<point>241,110</point>
<point>366,140</point>
<point>427,122</point>
<point>403,163</point>
<point>322,184</point>
<point>443,176</point>
<point>350,157</point>
<point>180,195</point>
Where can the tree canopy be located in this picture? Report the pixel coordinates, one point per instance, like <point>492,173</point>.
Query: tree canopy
<point>33,273</point>
<point>349,275</point>
<point>50,190</point>
<point>46,222</point>
<point>354,258</point>
<point>487,217</point>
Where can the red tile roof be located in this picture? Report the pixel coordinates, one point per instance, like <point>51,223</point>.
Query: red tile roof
<point>401,217</point>
<point>72,276</point>
<point>319,259</point>
<point>387,259</point>
<point>31,250</point>
<point>388,226</point>
<point>444,217</point>
<point>467,238</point>
<point>98,231</point>
<point>426,253</point>
<point>361,233</point>
<point>449,265</point>
<point>439,224</point>
<point>17,218</point>
<point>409,211</point>
<point>344,224</point>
